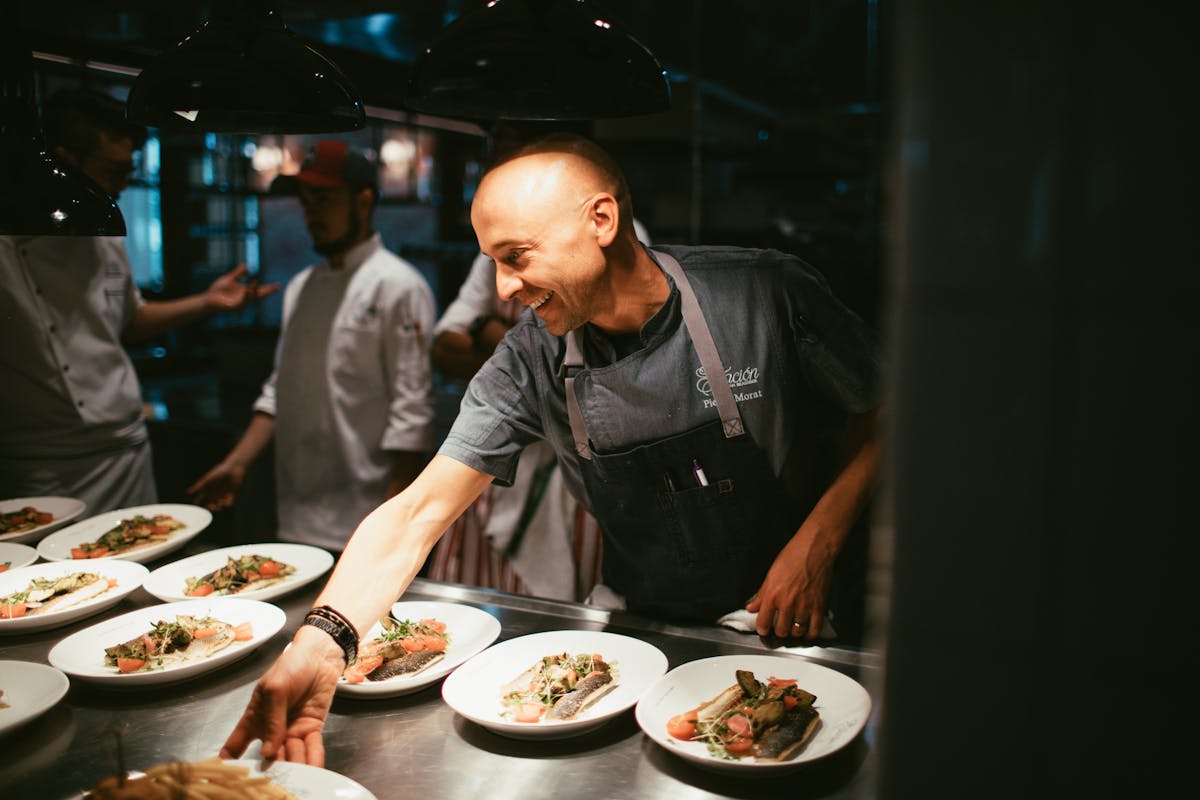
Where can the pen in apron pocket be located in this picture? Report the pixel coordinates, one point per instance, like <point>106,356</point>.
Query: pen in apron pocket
<point>698,471</point>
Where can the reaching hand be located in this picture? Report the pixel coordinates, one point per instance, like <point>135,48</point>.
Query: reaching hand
<point>290,703</point>
<point>228,293</point>
<point>794,595</point>
<point>218,487</point>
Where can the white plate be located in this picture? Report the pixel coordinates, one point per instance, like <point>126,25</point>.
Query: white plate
<point>81,654</point>
<point>30,691</point>
<point>470,630</point>
<point>128,575</point>
<point>57,546</point>
<point>473,690</point>
<point>843,703</point>
<point>64,510</point>
<point>16,556</point>
<point>169,582</point>
<point>305,782</point>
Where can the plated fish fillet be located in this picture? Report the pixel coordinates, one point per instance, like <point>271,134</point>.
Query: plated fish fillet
<point>54,594</point>
<point>129,534</point>
<point>558,687</point>
<point>771,720</point>
<point>403,649</point>
<point>170,644</point>
<point>249,572</point>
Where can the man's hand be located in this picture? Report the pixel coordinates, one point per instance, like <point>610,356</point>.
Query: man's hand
<point>290,702</point>
<point>229,293</point>
<point>793,597</point>
<point>218,487</point>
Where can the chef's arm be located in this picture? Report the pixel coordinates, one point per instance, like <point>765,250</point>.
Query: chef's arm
<point>460,354</point>
<point>796,588</point>
<point>229,292</point>
<point>391,543</point>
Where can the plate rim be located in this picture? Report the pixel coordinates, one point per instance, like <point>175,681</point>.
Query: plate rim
<point>63,685</point>
<point>712,763</point>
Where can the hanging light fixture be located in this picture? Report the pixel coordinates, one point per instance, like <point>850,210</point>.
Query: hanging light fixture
<point>244,71</point>
<point>537,60</point>
<point>41,195</point>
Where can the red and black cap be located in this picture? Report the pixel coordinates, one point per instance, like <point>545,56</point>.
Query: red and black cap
<point>329,164</point>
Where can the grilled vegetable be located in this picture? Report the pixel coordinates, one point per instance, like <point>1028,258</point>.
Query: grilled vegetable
<point>245,572</point>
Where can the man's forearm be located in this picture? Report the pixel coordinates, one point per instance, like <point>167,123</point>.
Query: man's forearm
<point>390,545</point>
<point>158,316</point>
<point>257,436</point>
<point>834,515</point>
<point>455,355</point>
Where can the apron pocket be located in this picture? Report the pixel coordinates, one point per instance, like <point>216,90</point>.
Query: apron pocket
<point>708,525</point>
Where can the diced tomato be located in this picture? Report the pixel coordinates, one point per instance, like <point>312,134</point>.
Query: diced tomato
<point>201,590</point>
<point>434,643</point>
<point>148,643</point>
<point>268,569</point>
<point>42,519</point>
<point>358,671</point>
<point>160,530</point>
<point>739,724</point>
<point>13,610</point>
<point>790,702</point>
<point>436,624</point>
<point>127,665</point>
<point>782,683</point>
<point>413,644</point>
<point>204,633</point>
<point>4,566</point>
<point>79,552</point>
<point>243,632</point>
<point>682,726</point>
<point>112,582</point>
<point>529,712</point>
<point>739,745</point>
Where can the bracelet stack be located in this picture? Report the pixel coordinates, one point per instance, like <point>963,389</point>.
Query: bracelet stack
<point>336,625</point>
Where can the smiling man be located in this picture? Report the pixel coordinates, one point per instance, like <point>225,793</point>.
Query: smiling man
<point>715,408</point>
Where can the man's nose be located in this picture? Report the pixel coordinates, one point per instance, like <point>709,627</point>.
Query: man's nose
<point>507,282</point>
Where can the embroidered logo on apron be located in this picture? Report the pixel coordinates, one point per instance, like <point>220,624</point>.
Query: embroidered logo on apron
<point>746,376</point>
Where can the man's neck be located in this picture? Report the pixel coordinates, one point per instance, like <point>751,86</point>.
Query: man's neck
<point>338,260</point>
<point>638,289</point>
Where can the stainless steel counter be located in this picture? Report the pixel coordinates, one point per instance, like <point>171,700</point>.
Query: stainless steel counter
<point>413,746</point>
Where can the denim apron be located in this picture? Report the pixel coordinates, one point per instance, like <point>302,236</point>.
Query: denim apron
<point>677,549</point>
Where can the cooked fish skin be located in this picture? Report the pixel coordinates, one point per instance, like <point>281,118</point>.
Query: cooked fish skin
<point>409,664</point>
<point>81,592</point>
<point>783,740</point>
<point>586,692</point>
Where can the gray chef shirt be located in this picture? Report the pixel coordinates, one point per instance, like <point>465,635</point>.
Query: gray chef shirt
<point>797,359</point>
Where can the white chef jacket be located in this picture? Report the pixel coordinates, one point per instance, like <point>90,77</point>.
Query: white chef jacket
<point>71,409</point>
<point>352,382</point>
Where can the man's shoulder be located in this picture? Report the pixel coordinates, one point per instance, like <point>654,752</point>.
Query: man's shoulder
<point>385,267</point>
<point>725,263</point>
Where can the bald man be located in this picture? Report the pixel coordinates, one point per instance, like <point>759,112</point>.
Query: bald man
<point>715,408</point>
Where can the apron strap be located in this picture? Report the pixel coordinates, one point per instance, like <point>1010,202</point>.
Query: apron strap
<point>706,349</point>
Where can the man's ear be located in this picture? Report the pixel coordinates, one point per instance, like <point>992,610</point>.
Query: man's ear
<point>364,199</point>
<point>606,215</point>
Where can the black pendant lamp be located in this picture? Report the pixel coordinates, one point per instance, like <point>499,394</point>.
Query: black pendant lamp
<point>244,71</point>
<point>41,195</point>
<point>537,60</point>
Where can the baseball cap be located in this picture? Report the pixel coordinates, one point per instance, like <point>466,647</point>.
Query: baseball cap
<point>330,163</point>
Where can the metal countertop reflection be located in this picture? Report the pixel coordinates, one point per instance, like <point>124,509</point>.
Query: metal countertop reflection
<point>414,746</point>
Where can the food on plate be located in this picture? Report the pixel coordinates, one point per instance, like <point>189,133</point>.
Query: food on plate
<point>558,687</point>
<point>239,574</point>
<point>170,644</point>
<point>3,704</point>
<point>211,778</point>
<point>771,720</point>
<point>23,519</point>
<point>129,534</point>
<point>4,565</point>
<point>403,649</point>
<point>54,594</point>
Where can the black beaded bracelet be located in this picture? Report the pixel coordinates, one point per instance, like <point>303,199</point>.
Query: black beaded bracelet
<point>337,626</point>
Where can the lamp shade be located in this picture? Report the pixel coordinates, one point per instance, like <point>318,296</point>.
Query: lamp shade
<point>244,71</point>
<point>41,195</point>
<point>537,60</point>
